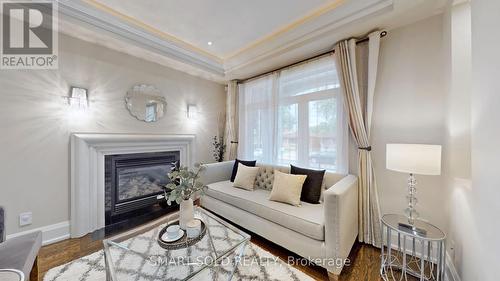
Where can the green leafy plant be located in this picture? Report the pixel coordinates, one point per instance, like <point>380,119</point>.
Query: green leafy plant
<point>219,148</point>
<point>184,183</point>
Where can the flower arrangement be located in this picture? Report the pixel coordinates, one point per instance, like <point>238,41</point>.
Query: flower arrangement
<point>183,184</point>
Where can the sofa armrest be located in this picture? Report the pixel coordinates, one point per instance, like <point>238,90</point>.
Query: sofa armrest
<point>20,252</point>
<point>215,172</point>
<point>341,219</point>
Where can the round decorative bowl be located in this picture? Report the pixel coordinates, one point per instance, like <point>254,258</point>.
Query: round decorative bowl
<point>184,241</point>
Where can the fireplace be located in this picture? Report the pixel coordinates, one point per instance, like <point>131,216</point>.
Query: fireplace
<point>132,185</point>
<point>87,154</point>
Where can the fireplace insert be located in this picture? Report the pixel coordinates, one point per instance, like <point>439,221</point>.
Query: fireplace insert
<point>133,182</point>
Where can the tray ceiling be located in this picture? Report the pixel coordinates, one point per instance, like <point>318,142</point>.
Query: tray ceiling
<point>247,37</point>
<point>230,25</point>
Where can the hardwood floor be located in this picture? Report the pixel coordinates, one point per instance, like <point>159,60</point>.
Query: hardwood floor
<point>364,259</point>
<point>65,251</point>
<point>365,262</point>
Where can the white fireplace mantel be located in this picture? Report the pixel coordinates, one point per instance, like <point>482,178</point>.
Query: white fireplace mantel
<point>87,170</point>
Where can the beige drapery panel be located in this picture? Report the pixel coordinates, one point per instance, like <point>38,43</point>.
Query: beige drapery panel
<point>357,69</point>
<point>231,126</point>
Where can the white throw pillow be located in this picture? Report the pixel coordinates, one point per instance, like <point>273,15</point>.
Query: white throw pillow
<point>287,188</point>
<point>245,177</point>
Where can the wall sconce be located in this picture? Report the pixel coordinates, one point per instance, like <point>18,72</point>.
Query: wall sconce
<point>78,98</point>
<point>192,111</point>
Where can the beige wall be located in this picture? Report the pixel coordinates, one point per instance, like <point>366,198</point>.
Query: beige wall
<point>457,163</point>
<point>35,123</point>
<point>468,197</point>
<point>474,197</point>
<point>409,108</point>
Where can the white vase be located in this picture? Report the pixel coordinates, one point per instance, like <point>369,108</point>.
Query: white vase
<point>186,213</point>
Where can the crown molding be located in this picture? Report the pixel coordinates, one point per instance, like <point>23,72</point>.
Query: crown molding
<point>286,28</point>
<point>317,32</point>
<point>176,40</point>
<point>81,11</point>
<point>321,27</point>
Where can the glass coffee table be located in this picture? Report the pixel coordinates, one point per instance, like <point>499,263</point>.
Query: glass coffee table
<point>136,255</point>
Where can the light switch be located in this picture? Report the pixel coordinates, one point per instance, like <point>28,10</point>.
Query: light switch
<point>25,218</point>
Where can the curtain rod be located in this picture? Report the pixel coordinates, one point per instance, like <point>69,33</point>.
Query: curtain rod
<point>364,39</point>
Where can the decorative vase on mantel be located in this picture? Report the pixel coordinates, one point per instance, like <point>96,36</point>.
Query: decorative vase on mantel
<point>186,212</point>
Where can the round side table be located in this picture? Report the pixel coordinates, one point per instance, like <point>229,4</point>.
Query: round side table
<point>419,252</point>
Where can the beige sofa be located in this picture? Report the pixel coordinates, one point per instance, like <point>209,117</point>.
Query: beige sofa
<point>323,233</point>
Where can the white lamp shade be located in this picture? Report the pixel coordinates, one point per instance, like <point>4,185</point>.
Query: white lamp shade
<point>422,159</point>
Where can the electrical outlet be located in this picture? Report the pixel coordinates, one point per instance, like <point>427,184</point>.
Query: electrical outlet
<point>451,250</point>
<point>25,218</point>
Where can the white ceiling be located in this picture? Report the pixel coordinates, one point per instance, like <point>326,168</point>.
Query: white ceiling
<point>230,25</point>
<point>249,36</point>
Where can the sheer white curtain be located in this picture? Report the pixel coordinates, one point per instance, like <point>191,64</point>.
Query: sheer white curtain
<point>257,128</point>
<point>295,116</point>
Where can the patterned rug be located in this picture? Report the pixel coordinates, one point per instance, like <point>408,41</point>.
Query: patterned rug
<point>255,263</point>
<point>265,266</point>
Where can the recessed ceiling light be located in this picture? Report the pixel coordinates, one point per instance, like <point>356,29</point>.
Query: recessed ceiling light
<point>209,43</point>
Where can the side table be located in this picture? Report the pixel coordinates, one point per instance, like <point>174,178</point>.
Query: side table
<point>405,252</point>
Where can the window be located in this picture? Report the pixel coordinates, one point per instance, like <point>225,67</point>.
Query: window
<point>295,117</point>
<point>288,133</point>
<point>322,134</point>
<point>150,112</point>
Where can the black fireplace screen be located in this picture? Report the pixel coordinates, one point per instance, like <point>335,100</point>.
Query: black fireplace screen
<point>133,181</point>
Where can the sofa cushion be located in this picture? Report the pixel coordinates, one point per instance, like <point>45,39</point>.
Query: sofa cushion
<point>235,166</point>
<point>307,219</point>
<point>311,191</point>
<point>265,177</point>
<point>245,178</point>
<point>287,188</point>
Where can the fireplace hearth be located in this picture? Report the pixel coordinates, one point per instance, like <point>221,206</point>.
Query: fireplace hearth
<point>132,184</point>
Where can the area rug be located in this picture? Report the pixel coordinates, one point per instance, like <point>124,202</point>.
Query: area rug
<point>259,265</point>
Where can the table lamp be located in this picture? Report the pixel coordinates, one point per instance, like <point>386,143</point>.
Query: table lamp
<point>421,159</point>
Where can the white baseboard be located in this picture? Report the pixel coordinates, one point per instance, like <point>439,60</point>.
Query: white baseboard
<point>50,233</point>
<point>451,271</point>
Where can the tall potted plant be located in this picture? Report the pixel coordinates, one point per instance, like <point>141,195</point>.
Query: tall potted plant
<point>219,148</point>
<point>184,184</point>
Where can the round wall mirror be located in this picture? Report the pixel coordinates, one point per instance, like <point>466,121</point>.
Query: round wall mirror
<point>146,103</point>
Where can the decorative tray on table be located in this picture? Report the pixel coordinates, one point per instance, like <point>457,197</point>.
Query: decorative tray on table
<point>184,241</point>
